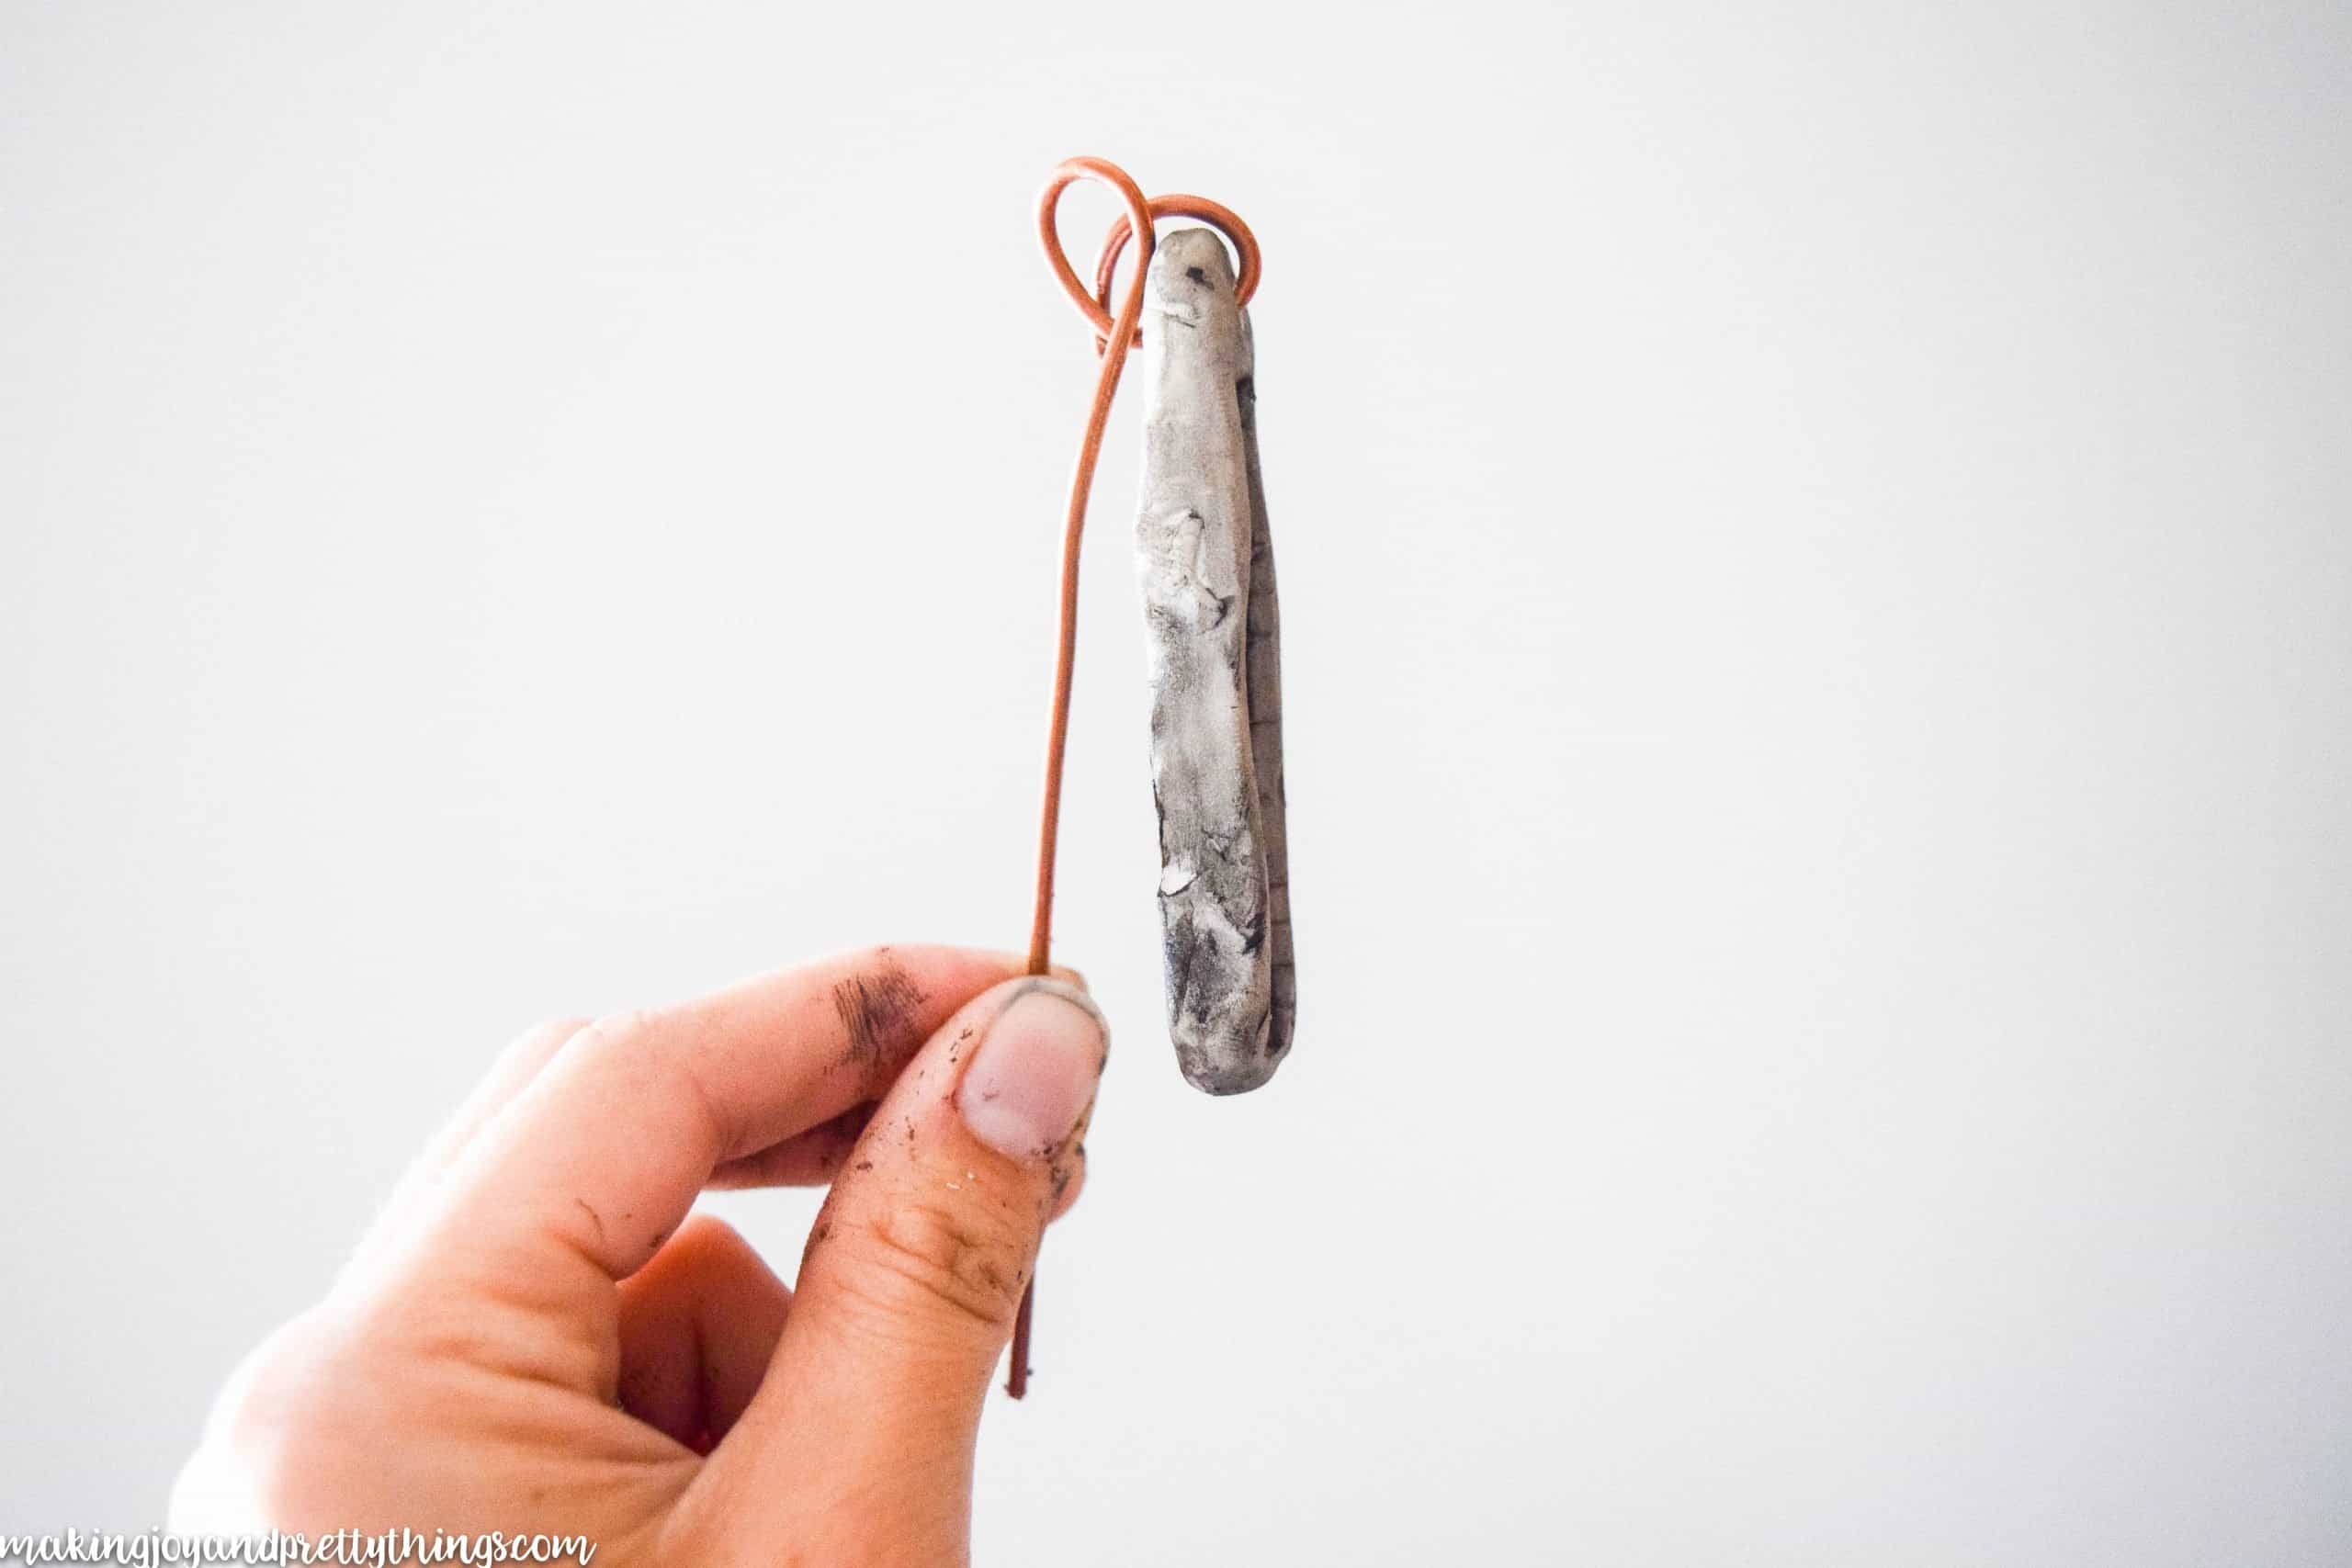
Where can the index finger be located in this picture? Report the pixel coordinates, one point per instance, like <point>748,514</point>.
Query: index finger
<point>600,1158</point>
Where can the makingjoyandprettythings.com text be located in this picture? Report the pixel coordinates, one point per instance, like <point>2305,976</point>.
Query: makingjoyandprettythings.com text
<point>381,1547</point>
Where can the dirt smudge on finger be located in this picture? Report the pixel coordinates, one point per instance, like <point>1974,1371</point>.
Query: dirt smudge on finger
<point>878,1009</point>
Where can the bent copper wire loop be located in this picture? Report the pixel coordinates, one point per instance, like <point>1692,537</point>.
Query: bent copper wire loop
<point>1114,335</point>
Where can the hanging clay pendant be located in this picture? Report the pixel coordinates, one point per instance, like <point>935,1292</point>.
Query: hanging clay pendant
<point>1208,571</point>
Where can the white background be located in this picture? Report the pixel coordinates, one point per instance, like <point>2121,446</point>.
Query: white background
<point>1816,545</point>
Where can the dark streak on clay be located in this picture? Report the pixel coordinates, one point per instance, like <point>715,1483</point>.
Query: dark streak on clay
<point>1265,690</point>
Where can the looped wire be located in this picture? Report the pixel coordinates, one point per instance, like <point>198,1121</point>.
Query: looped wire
<point>1216,215</point>
<point>1138,217</point>
<point>1114,335</point>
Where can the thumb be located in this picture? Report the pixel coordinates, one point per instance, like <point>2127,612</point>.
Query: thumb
<point>918,1260</point>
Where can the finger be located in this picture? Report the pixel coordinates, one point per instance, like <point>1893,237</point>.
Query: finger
<point>820,1154</point>
<point>809,1159</point>
<point>509,1075</point>
<point>918,1260</point>
<point>593,1165</point>
<point>516,1066</point>
<point>697,1328</point>
<point>1070,1173</point>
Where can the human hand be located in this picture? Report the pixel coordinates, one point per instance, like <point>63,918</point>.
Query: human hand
<point>536,1339</point>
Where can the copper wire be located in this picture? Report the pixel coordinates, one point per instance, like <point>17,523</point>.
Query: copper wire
<point>1114,336</point>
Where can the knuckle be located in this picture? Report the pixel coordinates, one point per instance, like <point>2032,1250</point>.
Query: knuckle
<point>278,1424</point>
<point>940,1258</point>
<point>709,1233</point>
<point>620,1026</point>
<point>269,1394</point>
<point>707,1244</point>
